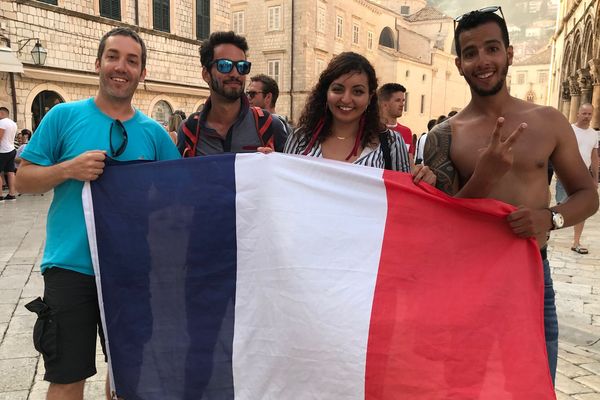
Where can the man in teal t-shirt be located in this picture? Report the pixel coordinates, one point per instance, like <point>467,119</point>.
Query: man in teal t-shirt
<point>70,147</point>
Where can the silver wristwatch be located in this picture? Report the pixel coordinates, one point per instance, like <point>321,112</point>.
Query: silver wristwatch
<point>557,220</point>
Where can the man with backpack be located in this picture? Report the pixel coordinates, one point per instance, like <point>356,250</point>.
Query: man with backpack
<point>227,123</point>
<point>263,92</point>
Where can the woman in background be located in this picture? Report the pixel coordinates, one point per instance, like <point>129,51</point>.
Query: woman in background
<point>174,121</point>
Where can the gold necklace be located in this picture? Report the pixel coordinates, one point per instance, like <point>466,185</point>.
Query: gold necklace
<point>342,137</point>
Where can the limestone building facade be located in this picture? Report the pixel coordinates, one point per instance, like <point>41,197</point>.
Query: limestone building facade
<point>406,41</point>
<point>70,32</point>
<point>575,67</point>
<point>291,41</point>
<point>528,79</point>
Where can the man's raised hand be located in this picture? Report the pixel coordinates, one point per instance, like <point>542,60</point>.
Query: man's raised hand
<point>87,166</point>
<point>497,158</point>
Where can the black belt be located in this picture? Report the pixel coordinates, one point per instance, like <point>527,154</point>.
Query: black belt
<point>544,252</point>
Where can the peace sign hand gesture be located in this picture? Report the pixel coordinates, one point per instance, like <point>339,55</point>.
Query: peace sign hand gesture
<point>497,158</point>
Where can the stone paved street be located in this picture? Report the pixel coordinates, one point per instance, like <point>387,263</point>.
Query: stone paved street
<point>576,277</point>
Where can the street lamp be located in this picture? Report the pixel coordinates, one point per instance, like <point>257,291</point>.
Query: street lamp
<point>38,53</point>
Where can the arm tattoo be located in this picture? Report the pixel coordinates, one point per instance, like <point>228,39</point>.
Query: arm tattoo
<point>436,156</point>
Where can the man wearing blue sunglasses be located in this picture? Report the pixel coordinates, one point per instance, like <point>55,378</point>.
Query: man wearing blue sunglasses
<point>227,123</point>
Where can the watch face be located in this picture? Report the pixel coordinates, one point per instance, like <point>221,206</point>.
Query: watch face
<point>558,220</point>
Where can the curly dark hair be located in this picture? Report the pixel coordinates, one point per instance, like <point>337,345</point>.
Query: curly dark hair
<point>316,106</point>
<point>207,48</point>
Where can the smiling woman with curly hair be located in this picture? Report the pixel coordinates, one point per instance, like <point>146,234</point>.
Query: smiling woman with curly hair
<point>341,120</point>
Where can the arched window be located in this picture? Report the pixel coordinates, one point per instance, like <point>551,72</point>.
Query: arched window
<point>42,103</point>
<point>386,38</point>
<point>530,97</point>
<point>162,112</point>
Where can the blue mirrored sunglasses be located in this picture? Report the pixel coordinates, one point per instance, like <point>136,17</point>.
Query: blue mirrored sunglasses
<point>225,66</point>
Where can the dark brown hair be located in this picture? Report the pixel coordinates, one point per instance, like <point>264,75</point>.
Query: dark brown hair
<point>121,31</point>
<point>316,106</point>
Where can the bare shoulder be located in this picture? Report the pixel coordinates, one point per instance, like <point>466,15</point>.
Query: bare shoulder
<point>537,112</point>
<point>443,128</point>
<point>436,155</point>
<point>438,142</point>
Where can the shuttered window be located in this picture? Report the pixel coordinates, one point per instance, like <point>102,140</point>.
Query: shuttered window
<point>111,9</point>
<point>161,14</point>
<point>202,19</point>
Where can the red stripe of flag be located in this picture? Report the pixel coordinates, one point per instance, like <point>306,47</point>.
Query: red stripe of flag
<point>458,305</point>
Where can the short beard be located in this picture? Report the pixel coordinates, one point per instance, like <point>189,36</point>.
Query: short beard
<point>494,90</point>
<point>232,95</point>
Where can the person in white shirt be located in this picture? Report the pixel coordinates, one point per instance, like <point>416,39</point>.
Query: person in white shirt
<point>25,137</point>
<point>8,131</point>
<point>587,140</point>
<point>421,142</point>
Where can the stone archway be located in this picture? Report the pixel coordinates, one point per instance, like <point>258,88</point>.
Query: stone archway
<point>576,55</point>
<point>386,38</point>
<point>588,41</point>
<point>161,101</point>
<point>49,94</point>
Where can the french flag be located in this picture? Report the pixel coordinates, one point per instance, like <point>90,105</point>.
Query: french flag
<point>257,276</point>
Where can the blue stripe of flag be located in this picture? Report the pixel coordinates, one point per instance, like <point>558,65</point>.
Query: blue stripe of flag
<point>168,279</point>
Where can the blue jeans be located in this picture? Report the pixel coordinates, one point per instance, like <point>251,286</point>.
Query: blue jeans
<point>550,321</point>
<point>561,193</point>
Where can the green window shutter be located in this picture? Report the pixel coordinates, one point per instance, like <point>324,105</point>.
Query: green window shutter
<point>111,9</point>
<point>160,11</point>
<point>202,19</point>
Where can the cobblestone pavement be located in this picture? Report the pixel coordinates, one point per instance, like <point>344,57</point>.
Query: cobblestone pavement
<point>576,277</point>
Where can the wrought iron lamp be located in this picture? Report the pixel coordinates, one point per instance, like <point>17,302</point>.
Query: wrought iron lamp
<point>38,53</point>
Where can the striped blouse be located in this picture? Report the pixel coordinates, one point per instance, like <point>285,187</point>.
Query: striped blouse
<point>370,157</point>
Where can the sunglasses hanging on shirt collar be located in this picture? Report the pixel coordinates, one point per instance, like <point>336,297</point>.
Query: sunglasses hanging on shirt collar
<point>117,125</point>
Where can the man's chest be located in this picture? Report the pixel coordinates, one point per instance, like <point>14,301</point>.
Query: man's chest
<point>530,152</point>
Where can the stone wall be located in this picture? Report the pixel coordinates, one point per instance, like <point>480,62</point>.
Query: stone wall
<point>71,31</point>
<point>314,47</point>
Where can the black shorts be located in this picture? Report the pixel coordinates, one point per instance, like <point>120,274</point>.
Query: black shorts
<point>65,333</point>
<point>7,161</point>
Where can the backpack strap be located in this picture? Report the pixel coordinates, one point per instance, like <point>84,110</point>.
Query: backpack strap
<point>192,135</point>
<point>385,148</point>
<point>417,159</point>
<point>262,121</point>
<point>286,126</point>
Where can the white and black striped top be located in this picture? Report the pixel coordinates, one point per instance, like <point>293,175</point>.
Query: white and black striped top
<point>370,157</point>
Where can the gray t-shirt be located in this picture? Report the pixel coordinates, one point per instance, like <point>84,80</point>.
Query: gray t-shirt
<point>241,138</point>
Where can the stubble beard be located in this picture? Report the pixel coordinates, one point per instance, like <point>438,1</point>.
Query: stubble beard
<point>585,124</point>
<point>116,95</point>
<point>229,94</point>
<point>494,90</point>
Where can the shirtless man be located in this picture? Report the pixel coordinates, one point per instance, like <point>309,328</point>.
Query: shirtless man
<point>498,147</point>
